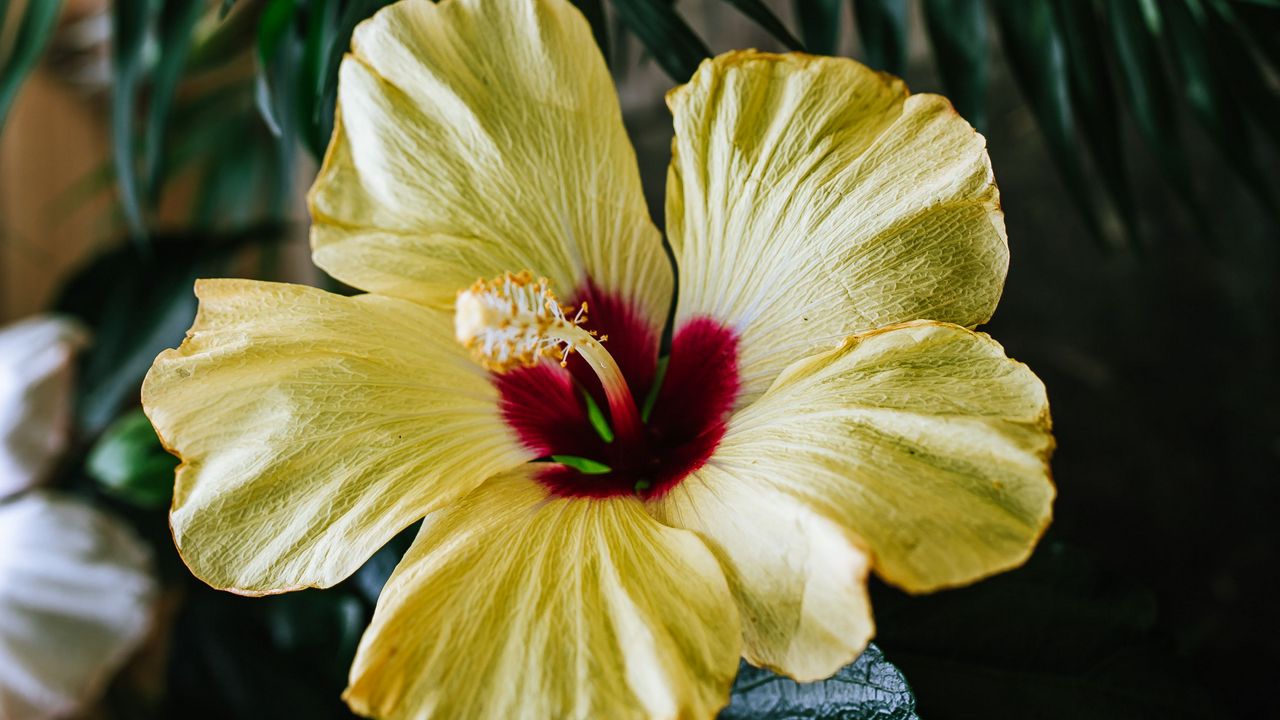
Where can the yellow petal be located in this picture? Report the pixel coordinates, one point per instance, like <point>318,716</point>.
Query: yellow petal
<point>312,428</point>
<point>922,438</point>
<point>512,604</point>
<point>810,198</point>
<point>477,137</point>
<point>799,578</point>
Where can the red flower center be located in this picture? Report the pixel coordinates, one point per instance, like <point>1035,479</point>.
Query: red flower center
<point>547,405</point>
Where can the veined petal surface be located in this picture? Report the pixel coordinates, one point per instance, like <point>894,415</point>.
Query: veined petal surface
<point>810,198</point>
<point>76,598</point>
<point>923,439</point>
<point>513,604</point>
<point>313,428</point>
<point>479,136</point>
<point>799,578</point>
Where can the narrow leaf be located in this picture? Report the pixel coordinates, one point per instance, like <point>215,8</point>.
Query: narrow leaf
<point>1244,70</point>
<point>226,7</point>
<point>29,41</point>
<point>593,11</point>
<point>764,17</point>
<point>322,28</point>
<point>1133,32</point>
<point>1038,60</point>
<point>130,20</point>
<point>355,12</point>
<point>1206,90</point>
<point>177,20</point>
<point>1095,104</point>
<point>871,687</point>
<point>882,27</point>
<point>665,35</point>
<point>819,25</point>
<point>958,33</point>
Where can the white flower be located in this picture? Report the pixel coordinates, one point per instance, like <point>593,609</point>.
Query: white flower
<point>76,588</point>
<point>76,593</point>
<point>35,397</point>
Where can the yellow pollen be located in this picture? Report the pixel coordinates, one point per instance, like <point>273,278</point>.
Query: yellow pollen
<point>515,321</point>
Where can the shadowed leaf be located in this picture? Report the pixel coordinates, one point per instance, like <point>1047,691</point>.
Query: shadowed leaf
<point>1095,104</point>
<point>1150,98</point>
<point>665,35</point>
<point>1038,60</point>
<point>28,42</point>
<point>1206,90</point>
<point>130,20</point>
<point>819,25</point>
<point>764,17</point>
<point>882,27</point>
<point>958,33</point>
<point>177,19</point>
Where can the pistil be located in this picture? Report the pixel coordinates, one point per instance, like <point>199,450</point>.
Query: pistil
<point>514,321</point>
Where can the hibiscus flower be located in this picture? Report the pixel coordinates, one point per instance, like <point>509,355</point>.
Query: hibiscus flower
<point>604,538</point>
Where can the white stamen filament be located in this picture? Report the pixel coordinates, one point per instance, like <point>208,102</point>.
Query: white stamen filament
<point>515,321</point>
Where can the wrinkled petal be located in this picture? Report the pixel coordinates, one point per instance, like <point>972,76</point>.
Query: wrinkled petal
<point>476,137</point>
<point>313,428</point>
<point>36,374</point>
<point>514,604</point>
<point>810,198</point>
<point>76,595</point>
<point>923,439</point>
<point>799,578</point>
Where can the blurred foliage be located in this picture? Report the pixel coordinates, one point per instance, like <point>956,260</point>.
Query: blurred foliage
<point>129,462</point>
<point>230,96</point>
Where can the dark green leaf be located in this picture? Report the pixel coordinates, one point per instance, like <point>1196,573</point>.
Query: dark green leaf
<point>136,306</point>
<point>177,20</point>
<point>764,17</point>
<point>1038,60</point>
<point>669,40</point>
<point>1150,98</point>
<point>869,689</point>
<point>283,99</point>
<point>130,20</point>
<point>226,7</point>
<point>129,462</point>
<point>1095,104</point>
<point>882,27</point>
<point>33,34</point>
<point>1206,89</point>
<point>593,11</point>
<point>1244,70</point>
<point>819,25</point>
<point>322,28</point>
<point>958,33</point>
<point>355,12</point>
